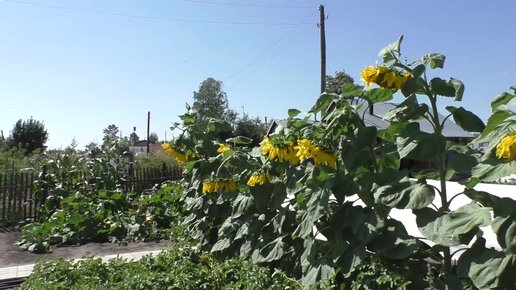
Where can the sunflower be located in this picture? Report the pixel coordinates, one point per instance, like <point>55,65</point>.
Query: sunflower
<point>506,149</point>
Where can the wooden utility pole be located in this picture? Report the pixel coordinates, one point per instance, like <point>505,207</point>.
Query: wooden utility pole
<point>323,48</point>
<point>148,133</point>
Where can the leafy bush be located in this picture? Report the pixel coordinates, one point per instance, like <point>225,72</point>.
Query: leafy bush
<point>107,216</point>
<point>181,267</point>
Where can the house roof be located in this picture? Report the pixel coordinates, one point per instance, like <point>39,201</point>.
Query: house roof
<point>450,129</point>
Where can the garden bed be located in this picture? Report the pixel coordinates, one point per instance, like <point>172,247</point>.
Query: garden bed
<point>12,255</point>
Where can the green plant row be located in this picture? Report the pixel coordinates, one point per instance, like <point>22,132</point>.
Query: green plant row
<point>106,215</point>
<point>181,267</point>
<point>290,203</point>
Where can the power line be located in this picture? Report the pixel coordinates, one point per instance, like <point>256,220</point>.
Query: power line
<point>271,57</point>
<point>248,5</point>
<point>153,17</point>
<point>267,50</point>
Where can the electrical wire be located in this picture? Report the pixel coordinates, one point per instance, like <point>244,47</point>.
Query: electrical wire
<point>299,37</point>
<point>247,5</point>
<point>267,50</point>
<point>153,17</point>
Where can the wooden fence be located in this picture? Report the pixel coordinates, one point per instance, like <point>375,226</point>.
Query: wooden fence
<point>18,202</point>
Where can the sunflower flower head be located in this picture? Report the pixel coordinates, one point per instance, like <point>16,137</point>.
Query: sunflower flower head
<point>283,151</point>
<point>176,154</point>
<point>258,179</point>
<point>223,148</point>
<point>219,186</point>
<point>506,149</point>
<point>305,149</point>
<point>384,77</point>
<point>324,158</point>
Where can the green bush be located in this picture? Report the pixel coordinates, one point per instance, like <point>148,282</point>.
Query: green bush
<point>181,267</point>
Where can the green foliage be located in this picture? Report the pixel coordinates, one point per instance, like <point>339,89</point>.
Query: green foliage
<point>250,128</point>
<point>106,216</point>
<point>29,135</point>
<point>15,159</point>
<point>181,267</point>
<point>153,160</point>
<point>210,101</point>
<point>335,83</point>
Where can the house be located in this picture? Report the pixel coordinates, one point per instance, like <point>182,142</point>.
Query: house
<point>140,147</point>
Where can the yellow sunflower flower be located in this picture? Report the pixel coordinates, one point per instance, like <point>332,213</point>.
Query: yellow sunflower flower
<point>258,179</point>
<point>180,157</point>
<point>284,153</point>
<point>384,77</point>
<point>506,149</point>
<point>325,158</point>
<point>223,148</point>
<point>304,149</point>
<point>219,186</point>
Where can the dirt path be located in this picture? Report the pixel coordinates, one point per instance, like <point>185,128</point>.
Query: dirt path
<point>11,255</point>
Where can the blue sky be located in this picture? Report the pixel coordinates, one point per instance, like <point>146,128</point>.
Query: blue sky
<point>82,68</point>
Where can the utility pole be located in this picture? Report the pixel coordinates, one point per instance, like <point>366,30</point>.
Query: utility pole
<point>148,129</point>
<point>323,48</point>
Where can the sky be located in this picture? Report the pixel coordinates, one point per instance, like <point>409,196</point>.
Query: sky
<point>79,66</point>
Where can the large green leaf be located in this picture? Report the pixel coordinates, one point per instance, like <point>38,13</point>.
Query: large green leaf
<point>505,229</point>
<point>315,267</point>
<point>364,223</point>
<point>366,137</point>
<point>221,245</point>
<point>495,120</point>
<point>450,229</point>
<point>242,204</point>
<point>450,88</point>
<point>434,60</point>
<point>487,268</point>
<point>351,90</point>
<point>348,256</point>
<point>405,195</point>
<point>316,207</point>
<point>394,242</point>
<point>378,95</point>
<point>273,251</point>
<point>322,103</point>
<point>389,52</point>
<point>239,140</point>
<point>408,110</point>
<point>466,119</point>
<point>292,113</point>
<point>502,100</point>
<point>419,146</point>
<point>493,171</point>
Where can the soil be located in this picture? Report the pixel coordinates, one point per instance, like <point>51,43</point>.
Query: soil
<point>11,255</point>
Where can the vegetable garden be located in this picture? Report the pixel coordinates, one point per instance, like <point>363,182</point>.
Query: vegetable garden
<point>292,202</point>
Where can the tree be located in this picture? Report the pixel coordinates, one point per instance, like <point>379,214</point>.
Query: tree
<point>110,133</point>
<point>153,138</point>
<point>335,83</point>
<point>250,127</point>
<point>210,100</point>
<point>29,135</point>
<point>133,138</point>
